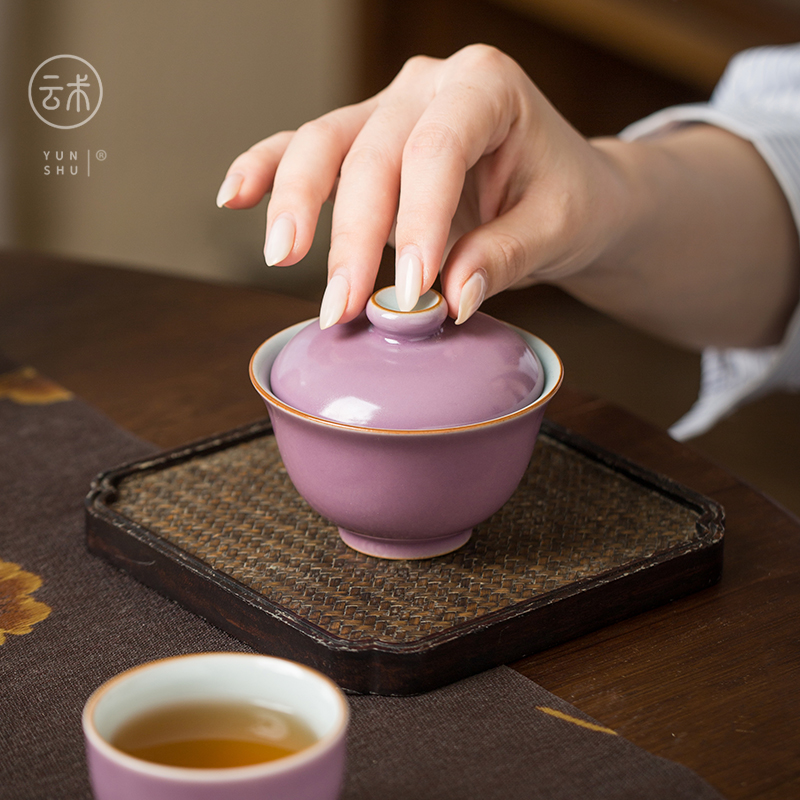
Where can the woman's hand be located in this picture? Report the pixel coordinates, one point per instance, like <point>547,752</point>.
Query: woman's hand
<point>466,166</point>
<point>462,162</point>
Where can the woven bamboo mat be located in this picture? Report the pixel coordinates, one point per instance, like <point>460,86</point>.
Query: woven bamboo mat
<point>573,519</point>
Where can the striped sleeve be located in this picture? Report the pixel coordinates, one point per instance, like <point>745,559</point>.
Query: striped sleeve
<point>758,98</point>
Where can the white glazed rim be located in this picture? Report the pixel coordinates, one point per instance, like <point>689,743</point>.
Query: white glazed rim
<point>434,299</point>
<point>214,774</point>
<point>548,358</point>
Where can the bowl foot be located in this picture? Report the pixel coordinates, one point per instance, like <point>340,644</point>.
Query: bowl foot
<point>404,548</point>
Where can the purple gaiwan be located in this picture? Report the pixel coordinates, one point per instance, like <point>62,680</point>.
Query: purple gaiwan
<point>402,428</point>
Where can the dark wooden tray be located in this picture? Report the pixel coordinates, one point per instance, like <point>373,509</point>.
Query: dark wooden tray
<point>588,539</point>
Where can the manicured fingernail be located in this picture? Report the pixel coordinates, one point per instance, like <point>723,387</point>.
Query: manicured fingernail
<point>408,281</point>
<point>473,293</point>
<point>334,301</point>
<point>230,188</point>
<point>280,240</point>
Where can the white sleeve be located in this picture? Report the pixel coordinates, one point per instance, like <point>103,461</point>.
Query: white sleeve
<point>758,98</point>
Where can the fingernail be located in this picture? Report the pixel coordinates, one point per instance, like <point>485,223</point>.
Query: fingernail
<point>280,240</point>
<point>230,188</point>
<point>473,293</point>
<point>408,281</point>
<point>334,301</point>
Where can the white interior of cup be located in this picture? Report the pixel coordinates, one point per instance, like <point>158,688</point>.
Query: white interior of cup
<point>551,363</point>
<point>228,677</point>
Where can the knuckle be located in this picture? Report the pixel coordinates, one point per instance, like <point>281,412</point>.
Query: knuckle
<point>324,127</point>
<point>297,189</point>
<point>560,220</point>
<point>344,240</point>
<point>511,253</point>
<point>434,140</point>
<point>483,57</point>
<point>292,192</point>
<point>416,66</point>
<point>367,156</point>
<point>497,72</point>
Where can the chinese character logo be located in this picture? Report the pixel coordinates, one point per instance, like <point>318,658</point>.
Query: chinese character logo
<point>65,91</point>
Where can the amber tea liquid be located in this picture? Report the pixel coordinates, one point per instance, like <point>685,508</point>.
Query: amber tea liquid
<point>212,735</point>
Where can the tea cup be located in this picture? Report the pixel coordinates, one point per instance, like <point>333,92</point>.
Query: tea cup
<point>261,682</point>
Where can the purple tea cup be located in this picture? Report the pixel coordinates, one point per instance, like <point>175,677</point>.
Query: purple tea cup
<point>402,429</point>
<point>316,771</point>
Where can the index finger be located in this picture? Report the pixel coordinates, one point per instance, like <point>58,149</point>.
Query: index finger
<point>250,175</point>
<point>466,119</point>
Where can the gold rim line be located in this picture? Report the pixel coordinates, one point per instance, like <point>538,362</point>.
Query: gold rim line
<point>271,398</point>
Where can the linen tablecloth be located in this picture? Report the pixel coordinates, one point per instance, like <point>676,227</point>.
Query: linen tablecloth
<point>69,621</point>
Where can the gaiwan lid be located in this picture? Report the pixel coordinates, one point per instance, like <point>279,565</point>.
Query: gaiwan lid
<point>413,370</point>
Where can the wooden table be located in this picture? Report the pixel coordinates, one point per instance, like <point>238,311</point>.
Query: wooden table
<point>711,681</point>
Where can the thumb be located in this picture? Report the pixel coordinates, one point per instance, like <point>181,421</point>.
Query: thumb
<point>485,261</point>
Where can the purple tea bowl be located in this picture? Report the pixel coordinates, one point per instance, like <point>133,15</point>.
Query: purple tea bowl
<point>272,683</point>
<point>401,428</point>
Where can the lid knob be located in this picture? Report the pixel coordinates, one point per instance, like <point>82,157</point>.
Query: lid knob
<point>425,319</point>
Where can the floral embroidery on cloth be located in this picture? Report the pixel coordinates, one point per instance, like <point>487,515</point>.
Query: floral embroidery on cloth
<point>19,612</point>
<point>27,387</point>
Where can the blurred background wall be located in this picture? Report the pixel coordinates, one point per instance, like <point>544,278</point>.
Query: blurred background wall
<point>189,84</point>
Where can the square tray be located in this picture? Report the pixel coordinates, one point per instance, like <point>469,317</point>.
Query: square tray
<point>588,539</point>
